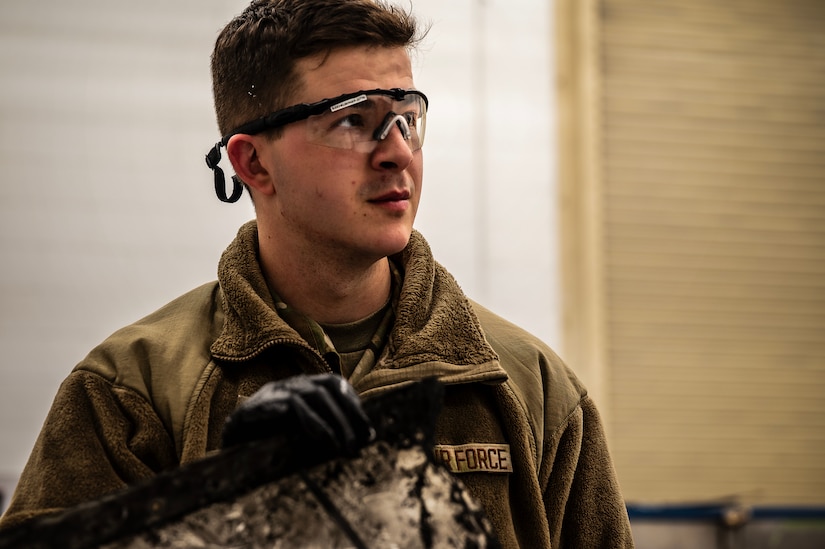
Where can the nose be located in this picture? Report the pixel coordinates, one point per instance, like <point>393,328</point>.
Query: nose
<point>392,152</point>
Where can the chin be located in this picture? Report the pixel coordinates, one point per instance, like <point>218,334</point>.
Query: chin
<point>394,242</point>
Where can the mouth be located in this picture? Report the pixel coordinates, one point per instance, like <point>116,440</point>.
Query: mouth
<point>392,196</point>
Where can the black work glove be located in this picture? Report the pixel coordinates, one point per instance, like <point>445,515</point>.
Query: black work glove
<point>320,415</point>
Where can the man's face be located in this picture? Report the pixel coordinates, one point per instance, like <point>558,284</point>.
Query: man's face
<point>342,201</point>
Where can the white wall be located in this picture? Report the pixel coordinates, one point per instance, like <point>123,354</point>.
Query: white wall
<point>106,207</point>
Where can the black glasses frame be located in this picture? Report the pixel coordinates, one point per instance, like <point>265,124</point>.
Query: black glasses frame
<point>281,118</point>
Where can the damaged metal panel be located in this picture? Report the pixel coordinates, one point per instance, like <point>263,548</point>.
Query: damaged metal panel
<point>391,495</point>
<point>387,497</point>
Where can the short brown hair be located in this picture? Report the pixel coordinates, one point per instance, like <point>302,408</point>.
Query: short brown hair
<point>253,63</point>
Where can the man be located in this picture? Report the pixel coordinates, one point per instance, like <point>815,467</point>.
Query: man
<point>324,127</point>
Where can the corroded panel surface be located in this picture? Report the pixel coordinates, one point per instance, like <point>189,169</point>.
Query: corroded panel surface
<point>384,498</point>
<point>391,495</point>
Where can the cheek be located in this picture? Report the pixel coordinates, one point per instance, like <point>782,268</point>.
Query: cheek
<point>417,173</point>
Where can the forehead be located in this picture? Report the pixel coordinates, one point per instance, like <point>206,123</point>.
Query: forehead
<point>353,69</point>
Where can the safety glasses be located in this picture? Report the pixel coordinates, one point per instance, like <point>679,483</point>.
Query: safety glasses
<point>355,121</point>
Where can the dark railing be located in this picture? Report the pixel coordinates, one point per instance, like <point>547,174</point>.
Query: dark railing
<point>727,526</point>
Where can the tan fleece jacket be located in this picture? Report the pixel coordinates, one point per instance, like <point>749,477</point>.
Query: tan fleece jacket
<point>517,426</point>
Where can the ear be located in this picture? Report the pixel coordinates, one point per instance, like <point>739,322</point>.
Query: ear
<point>243,152</point>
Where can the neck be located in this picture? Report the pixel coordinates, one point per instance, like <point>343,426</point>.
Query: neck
<point>326,289</point>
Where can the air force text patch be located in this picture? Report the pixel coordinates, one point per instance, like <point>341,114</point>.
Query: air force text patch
<point>475,458</point>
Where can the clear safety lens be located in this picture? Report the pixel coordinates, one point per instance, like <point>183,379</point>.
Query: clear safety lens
<point>360,122</point>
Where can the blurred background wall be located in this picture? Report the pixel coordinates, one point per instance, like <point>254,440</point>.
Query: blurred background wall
<point>106,206</point>
<point>693,208</point>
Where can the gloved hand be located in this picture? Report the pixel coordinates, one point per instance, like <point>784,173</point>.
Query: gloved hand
<point>321,415</point>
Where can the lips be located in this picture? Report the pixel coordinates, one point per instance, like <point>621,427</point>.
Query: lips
<point>392,196</point>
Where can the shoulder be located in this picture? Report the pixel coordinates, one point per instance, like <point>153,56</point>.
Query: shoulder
<point>548,388</point>
<point>163,355</point>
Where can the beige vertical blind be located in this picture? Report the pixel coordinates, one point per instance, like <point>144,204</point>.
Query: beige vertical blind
<point>713,174</point>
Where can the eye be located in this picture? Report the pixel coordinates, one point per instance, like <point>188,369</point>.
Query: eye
<point>352,120</point>
<point>412,118</point>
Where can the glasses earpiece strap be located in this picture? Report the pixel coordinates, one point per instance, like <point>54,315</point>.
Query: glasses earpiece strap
<point>213,158</point>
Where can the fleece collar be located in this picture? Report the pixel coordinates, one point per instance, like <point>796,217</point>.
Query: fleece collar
<point>436,333</point>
